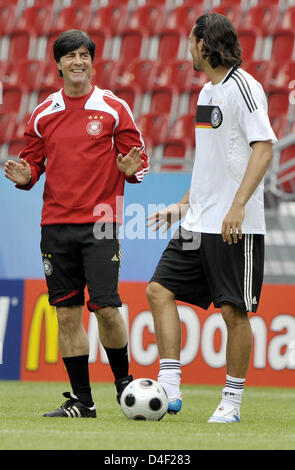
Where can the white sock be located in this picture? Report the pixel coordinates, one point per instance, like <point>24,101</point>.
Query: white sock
<point>169,377</point>
<point>233,390</point>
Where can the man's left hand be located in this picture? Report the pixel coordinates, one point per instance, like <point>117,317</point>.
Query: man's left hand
<point>232,224</point>
<point>130,163</point>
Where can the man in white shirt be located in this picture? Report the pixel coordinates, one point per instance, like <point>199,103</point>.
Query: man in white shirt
<point>217,254</point>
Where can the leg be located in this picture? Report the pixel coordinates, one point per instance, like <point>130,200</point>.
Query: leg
<point>238,352</point>
<point>111,327</point>
<point>166,320</point>
<point>74,347</point>
<point>114,338</point>
<point>66,283</point>
<point>168,336</point>
<point>73,340</point>
<point>239,340</point>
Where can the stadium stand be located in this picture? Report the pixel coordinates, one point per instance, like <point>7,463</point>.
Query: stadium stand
<point>111,18</point>
<point>142,50</point>
<point>142,54</point>
<point>142,72</point>
<point>232,11</point>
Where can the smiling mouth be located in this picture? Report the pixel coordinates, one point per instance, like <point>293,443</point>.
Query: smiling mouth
<point>77,70</point>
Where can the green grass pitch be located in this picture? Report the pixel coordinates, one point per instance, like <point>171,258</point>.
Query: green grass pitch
<point>267,421</point>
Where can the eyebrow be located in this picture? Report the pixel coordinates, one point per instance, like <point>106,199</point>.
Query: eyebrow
<point>81,52</point>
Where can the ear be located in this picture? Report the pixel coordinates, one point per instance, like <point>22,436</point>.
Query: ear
<point>200,45</point>
<point>59,69</point>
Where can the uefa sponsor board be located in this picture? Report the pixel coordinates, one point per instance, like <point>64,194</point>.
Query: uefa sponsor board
<point>11,314</point>
<point>29,337</point>
<point>203,339</point>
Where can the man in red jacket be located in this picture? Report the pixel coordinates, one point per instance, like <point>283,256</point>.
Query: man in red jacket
<point>86,141</point>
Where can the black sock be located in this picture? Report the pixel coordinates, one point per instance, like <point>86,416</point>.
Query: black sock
<point>119,362</point>
<point>77,368</point>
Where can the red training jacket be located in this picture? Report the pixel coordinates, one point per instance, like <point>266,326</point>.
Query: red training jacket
<point>76,142</point>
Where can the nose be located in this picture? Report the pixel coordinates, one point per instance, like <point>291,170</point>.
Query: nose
<point>78,59</point>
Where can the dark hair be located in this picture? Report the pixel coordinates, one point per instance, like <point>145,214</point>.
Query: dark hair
<point>71,40</point>
<point>221,43</point>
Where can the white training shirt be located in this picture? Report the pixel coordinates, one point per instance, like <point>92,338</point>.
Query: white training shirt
<point>230,116</point>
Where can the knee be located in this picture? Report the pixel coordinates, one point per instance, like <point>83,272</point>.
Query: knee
<point>107,314</point>
<point>156,293</point>
<point>69,318</point>
<point>233,315</point>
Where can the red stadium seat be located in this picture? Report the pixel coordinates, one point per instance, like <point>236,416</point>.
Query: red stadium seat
<point>3,68</point>
<point>261,70</point>
<point>171,45</point>
<point>44,92</point>
<point>198,81</point>
<point>155,126</point>
<point>288,19</point>
<point>14,99</point>
<point>131,94</point>
<point>102,40</point>
<point>282,46</point>
<point>8,15</point>
<point>160,2</point>
<point>280,126</point>
<point>193,99</point>
<point>201,2</point>
<point>121,2</point>
<point>250,41</point>
<point>81,3</point>
<point>282,74</point>
<point>286,177</point>
<point>163,99</point>
<point>71,18</point>
<point>134,44</point>
<point>15,147</point>
<point>105,73</point>
<point>21,45</point>
<point>142,72</point>
<point>50,38</point>
<point>232,12</point>
<point>9,2</point>
<point>184,128</point>
<point>21,127</point>
<point>7,127</point>
<point>37,19</point>
<point>270,2</point>
<point>179,73</point>
<point>278,102</point>
<point>44,3</point>
<point>111,18</point>
<point>149,18</point>
<point>183,17</point>
<point>28,72</point>
<point>262,18</point>
<point>175,149</point>
<point>51,78</point>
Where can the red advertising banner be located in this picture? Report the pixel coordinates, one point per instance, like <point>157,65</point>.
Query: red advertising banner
<point>203,339</point>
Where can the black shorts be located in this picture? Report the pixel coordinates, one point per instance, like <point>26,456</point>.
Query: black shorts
<point>204,269</point>
<point>73,258</point>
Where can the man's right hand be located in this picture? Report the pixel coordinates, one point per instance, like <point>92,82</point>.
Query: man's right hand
<point>18,173</point>
<point>169,216</point>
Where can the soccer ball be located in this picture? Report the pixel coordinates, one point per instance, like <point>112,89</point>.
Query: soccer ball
<point>144,399</point>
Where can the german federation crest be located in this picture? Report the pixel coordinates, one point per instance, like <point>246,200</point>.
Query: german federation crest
<point>94,127</point>
<point>48,268</point>
<point>216,117</point>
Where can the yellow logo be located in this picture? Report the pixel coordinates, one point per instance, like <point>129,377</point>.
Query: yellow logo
<point>42,311</point>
